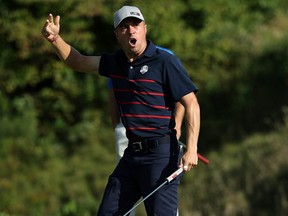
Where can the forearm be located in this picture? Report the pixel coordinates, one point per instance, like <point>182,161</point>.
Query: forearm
<point>61,48</point>
<point>192,114</point>
<point>179,115</point>
<point>192,132</point>
<point>74,59</point>
<point>66,53</point>
<point>113,109</point>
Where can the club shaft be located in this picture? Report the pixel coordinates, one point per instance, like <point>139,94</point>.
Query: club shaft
<point>137,204</point>
<point>167,180</point>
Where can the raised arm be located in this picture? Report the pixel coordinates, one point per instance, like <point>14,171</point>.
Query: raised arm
<point>70,56</point>
<point>192,117</point>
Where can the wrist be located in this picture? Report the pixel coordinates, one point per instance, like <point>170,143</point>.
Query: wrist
<point>54,39</point>
<point>191,148</point>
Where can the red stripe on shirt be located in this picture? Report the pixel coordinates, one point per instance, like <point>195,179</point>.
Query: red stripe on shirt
<point>146,116</point>
<point>141,128</point>
<point>136,80</point>
<point>142,80</point>
<point>137,92</point>
<point>143,103</point>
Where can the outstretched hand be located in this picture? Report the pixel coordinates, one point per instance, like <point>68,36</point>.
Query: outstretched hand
<point>50,30</point>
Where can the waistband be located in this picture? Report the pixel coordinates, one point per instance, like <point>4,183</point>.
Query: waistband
<point>147,144</point>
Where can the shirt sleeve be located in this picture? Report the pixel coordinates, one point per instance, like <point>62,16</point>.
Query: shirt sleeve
<point>177,80</point>
<point>110,84</point>
<point>104,68</point>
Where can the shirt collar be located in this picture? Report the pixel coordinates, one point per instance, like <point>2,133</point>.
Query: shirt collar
<point>150,49</point>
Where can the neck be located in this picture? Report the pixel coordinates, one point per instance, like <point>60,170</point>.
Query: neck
<point>132,56</point>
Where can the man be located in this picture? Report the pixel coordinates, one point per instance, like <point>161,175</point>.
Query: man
<point>121,141</point>
<point>147,82</point>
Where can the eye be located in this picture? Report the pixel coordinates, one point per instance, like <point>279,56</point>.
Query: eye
<point>136,23</point>
<point>123,26</point>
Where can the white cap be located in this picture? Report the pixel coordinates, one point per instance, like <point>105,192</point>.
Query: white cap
<point>125,12</point>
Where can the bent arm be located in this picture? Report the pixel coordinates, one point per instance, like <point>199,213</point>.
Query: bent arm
<point>67,54</point>
<point>74,59</point>
<point>192,118</point>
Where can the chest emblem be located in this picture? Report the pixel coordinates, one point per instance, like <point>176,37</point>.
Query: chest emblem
<point>144,69</point>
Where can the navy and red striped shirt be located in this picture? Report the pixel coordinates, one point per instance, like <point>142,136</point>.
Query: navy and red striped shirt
<point>146,90</point>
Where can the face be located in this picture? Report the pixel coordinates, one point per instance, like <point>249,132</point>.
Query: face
<point>131,35</point>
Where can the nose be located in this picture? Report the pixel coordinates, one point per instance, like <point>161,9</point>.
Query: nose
<point>131,29</point>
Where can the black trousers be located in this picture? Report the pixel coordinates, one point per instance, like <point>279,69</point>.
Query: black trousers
<point>138,174</point>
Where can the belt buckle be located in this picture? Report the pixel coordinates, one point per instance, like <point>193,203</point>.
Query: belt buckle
<point>137,146</point>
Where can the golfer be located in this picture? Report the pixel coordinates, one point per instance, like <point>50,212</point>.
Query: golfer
<point>147,82</point>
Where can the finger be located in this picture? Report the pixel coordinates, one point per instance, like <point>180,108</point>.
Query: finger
<point>44,30</point>
<point>45,33</point>
<point>194,164</point>
<point>50,18</point>
<point>46,23</point>
<point>181,163</point>
<point>57,20</point>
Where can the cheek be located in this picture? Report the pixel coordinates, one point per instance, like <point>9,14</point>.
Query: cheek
<point>118,38</point>
<point>121,41</point>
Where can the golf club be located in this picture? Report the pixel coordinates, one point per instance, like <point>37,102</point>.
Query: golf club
<point>167,181</point>
<point>203,159</point>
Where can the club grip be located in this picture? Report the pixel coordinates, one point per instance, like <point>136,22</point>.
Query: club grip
<point>203,159</point>
<point>174,175</point>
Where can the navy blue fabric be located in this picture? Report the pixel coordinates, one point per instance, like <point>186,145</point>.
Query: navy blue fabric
<point>110,84</point>
<point>146,90</point>
<point>138,174</point>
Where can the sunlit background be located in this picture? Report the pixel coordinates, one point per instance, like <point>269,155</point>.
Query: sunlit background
<point>56,138</point>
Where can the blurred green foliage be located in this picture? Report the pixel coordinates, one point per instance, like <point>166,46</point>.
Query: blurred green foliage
<point>243,178</point>
<point>56,138</point>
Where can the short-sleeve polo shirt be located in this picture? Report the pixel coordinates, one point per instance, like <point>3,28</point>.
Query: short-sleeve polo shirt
<point>146,90</point>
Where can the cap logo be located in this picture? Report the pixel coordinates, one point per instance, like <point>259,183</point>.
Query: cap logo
<point>135,13</point>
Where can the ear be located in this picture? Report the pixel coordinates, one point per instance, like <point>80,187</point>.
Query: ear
<point>116,34</point>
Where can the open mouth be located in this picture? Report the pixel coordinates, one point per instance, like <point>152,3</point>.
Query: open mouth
<point>132,41</point>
